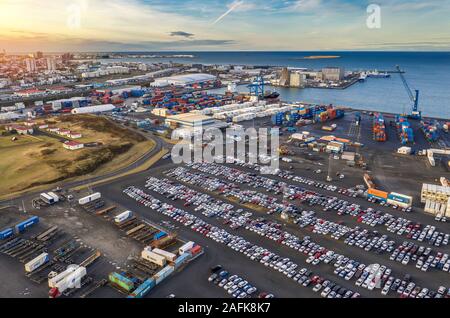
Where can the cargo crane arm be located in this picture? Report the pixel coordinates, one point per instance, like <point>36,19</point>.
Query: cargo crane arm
<point>413,97</point>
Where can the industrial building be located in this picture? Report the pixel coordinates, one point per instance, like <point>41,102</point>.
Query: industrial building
<point>183,80</point>
<point>73,145</point>
<point>187,124</point>
<point>297,79</point>
<point>94,109</point>
<point>333,74</point>
<point>436,199</point>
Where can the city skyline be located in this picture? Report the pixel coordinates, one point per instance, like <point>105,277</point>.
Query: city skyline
<point>249,25</point>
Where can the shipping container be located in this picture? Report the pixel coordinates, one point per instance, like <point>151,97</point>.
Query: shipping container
<point>52,282</point>
<point>163,274</point>
<point>123,217</point>
<point>186,247</point>
<point>371,196</point>
<point>7,233</point>
<point>157,259</point>
<point>143,289</point>
<point>121,281</point>
<point>90,198</point>
<point>47,198</point>
<point>26,224</point>
<point>400,198</point>
<point>37,262</point>
<point>168,256</point>
<point>159,235</point>
<point>182,259</point>
<point>398,203</point>
<point>196,250</point>
<point>378,193</point>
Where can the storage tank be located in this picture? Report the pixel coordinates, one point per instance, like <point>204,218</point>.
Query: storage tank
<point>37,262</point>
<point>94,109</point>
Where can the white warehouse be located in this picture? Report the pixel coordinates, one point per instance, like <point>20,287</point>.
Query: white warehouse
<point>183,80</point>
<point>94,109</point>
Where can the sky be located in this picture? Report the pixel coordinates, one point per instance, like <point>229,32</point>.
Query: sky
<point>224,25</point>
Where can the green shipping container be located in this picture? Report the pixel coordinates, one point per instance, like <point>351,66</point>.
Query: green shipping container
<point>121,281</point>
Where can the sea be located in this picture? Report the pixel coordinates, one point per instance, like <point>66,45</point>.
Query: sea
<point>428,72</point>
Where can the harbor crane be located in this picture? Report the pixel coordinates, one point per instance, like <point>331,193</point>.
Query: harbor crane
<point>414,97</point>
<point>257,88</point>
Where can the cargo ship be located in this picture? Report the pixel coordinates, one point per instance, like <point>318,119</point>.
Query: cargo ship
<point>376,74</point>
<point>379,128</point>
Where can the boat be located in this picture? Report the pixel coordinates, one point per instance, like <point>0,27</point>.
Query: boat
<point>271,95</point>
<point>362,77</point>
<point>376,74</point>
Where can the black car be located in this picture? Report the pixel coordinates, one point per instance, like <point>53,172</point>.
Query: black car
<point>217,268</point>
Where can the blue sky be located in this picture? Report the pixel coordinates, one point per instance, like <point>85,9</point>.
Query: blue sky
<point>137,25</point>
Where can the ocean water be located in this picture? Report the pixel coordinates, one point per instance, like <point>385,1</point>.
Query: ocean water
<point>427,71</point>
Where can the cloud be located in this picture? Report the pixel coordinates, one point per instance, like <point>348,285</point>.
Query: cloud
<point>182,34</point>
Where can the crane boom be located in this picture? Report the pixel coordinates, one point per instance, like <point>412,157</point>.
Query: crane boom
<point>416,114</point>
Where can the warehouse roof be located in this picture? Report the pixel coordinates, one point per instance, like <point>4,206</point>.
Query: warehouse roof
<point>186,79</point>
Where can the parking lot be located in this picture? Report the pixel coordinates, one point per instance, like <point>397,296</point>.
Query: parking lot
<point>341,244</point>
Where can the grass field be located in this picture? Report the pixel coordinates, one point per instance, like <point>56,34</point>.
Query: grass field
<point>31,162</point>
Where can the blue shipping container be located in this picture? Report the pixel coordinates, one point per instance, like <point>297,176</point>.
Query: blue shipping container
<point>24,225</point>
<point>143,289</point>
<point>6,234</point>
<point>399,198</point>
<point>159,235</point>
<point>371,196</point>
<point>183,258</point>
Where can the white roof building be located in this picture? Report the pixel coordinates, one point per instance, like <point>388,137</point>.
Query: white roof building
<point>183,80</point>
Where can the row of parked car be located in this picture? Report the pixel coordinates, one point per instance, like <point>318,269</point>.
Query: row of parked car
<point>235,285</point>
<point>364,239</point>
<point>237,243</point>
<point>353,193</point>
<point>369,216</point>
<point>345,267</point>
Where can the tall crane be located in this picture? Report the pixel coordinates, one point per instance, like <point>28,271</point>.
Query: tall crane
<point>257,88</point>
<point>414,97</point>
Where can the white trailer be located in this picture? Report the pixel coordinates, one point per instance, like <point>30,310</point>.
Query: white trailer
<point>90,198</point>
<point>54,196</point>
<point>73,280</point>
<point>123,216</point>
<point>186,247</point>
<point>52,282</point>
<point>168,256</point>
<point>37,262</point>
<point>157,259</point>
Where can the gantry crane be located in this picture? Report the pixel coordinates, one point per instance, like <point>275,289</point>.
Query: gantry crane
<point>414,97</point>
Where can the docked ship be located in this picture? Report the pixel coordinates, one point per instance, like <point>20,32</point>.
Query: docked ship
<point>271,95</point>
<point>376,74</point>
<point>362,77</point>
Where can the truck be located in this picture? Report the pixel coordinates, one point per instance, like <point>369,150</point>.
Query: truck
<point>37,262</point>
<point>123,217</point>
<point>89,198</point>
<point>53,281</point>
<point>73,280</point>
